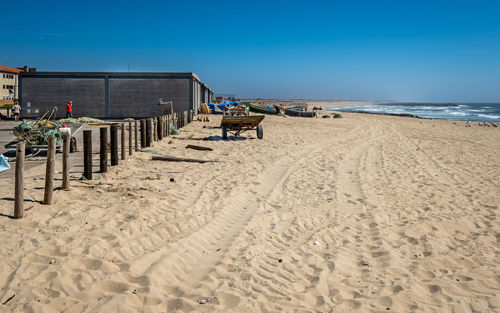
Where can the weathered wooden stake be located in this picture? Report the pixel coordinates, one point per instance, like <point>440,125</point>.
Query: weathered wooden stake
<point>114,145</point>
<point>136,130</point>
<point>160,127</point>
<point>103,153</point>
<point>65,161</point>
<point>143,133</point>
<point>87,154</point>
<point>162,120</point>
<point>123,136</point>
<point>130,138</point>
<point>49,171</point>
<point>19,183</point>
<point>168,125</point>
<point>165,119</point>
<point>149,132</point>
<point>155,129</point>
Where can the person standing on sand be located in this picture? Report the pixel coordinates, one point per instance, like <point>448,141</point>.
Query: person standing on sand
<point>69,109</point>
<point>16,109</point>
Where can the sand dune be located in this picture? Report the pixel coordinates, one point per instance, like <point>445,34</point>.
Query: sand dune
<point>360,214</point>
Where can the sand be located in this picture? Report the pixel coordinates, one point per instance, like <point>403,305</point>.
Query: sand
<point>361,214</point>
<point>332,104</point>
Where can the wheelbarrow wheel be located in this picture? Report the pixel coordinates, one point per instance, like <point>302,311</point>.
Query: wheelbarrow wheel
<point>224,132</point>
<point>260,131</point>
<point>72,145</point>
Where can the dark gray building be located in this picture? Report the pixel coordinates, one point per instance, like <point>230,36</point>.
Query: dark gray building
<point>207,95</point>
<point>110,95</point>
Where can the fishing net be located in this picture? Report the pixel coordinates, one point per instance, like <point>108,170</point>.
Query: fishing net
<point>39,131</point>
<point>80,120</point>
<point>51,133</point>
<point>173,130</point>
<point>24,127</point>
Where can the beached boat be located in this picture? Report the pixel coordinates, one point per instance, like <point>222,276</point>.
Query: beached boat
<point>261,110</point>
<point>299,111</point>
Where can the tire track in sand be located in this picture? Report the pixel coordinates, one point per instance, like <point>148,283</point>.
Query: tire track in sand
<point>188,261</point>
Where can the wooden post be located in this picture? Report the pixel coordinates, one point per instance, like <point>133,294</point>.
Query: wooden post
<point>162,123</point>
<point>160,127</point>
<point>162,120</point>
<point>114,145</point>
<point>130,138</point>
<point>143,133</point>
<point>19,183</point>
<point>165,129</point>
<point>123,133</point>
<point>65,161</point>
<point>164,126</point>
<point>103,153</point>
<point>168,125</point>
<point>87,154</point>
<point>136,130</point>
<point>49,171</point>
<point>149,132</point>
<point>155,132</point>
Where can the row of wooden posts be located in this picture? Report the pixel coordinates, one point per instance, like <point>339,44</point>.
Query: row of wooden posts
<point>150,130</point>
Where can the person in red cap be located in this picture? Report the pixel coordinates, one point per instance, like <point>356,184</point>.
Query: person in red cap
<point>69,109</point>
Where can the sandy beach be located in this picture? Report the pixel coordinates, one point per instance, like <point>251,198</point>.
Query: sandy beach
<point>365,213</point>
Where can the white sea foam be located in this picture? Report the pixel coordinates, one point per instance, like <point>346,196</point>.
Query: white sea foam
<point>469,112</point>
<point>493,117</point>
<point>457,113</point>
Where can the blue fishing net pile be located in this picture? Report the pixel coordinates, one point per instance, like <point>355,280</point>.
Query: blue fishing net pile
<point>51,133</point>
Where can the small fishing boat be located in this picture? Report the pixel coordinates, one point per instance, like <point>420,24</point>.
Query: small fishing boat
<point>261,110</point>
<point>299,111</point>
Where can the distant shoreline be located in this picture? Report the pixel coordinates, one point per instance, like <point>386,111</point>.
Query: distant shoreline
<point>417,117</point>
<point>390,114</point>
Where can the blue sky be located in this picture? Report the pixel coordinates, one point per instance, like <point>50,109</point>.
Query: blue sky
<point>352,50</point>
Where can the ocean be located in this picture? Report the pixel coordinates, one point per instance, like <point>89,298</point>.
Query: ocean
<point>484,112</point>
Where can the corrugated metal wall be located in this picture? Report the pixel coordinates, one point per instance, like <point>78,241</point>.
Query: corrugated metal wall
<point>108,95</point>
<point>140,97</point>
<point>41,94</point>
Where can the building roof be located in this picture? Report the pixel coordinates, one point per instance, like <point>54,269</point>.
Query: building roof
<point>6,104</point>
<point>9,69</point>
<point>112,74</point>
